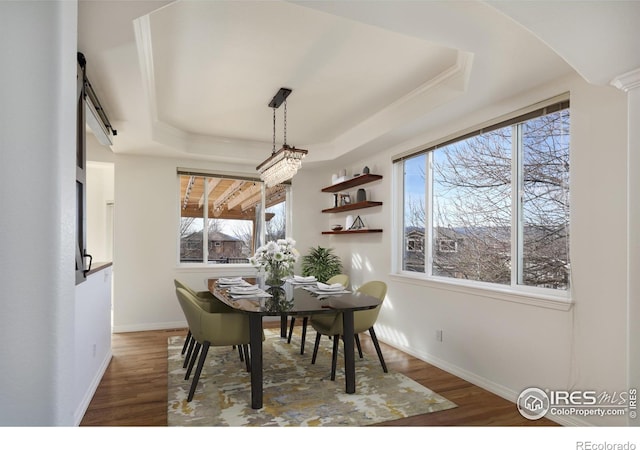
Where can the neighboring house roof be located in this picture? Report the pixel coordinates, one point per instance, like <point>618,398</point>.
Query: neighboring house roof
<point>213,236</point>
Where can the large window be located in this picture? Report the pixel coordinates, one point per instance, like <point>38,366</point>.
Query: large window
<point>492,206</point>
<point>230,227</point>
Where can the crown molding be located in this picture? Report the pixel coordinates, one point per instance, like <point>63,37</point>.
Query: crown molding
<point>627,81</point>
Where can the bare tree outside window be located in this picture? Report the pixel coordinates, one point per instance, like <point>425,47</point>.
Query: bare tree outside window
<point>276,226</point>
<point>472,196</point>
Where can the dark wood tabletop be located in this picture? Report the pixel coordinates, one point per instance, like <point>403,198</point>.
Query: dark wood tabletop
<point>295,300</point>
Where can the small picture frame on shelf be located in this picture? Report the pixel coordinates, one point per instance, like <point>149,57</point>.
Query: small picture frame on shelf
<point>345,199</point>
<point>357,224</point>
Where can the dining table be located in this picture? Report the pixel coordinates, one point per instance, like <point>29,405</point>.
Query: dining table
<point>291,299</point>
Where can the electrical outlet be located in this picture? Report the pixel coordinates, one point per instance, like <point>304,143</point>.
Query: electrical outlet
<point>439,335</point>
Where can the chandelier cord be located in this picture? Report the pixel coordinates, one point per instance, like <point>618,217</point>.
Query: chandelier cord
<point>285,123</point>
<point>274,132</point>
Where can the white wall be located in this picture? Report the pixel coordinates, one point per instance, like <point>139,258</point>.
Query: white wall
<point>501,345</point>
<point>92,337</point>
<point>146,243</point>
<point>37,224</point>
<point>633,318</point>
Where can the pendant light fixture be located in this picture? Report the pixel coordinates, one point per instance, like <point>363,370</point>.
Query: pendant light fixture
<point>283,164</point>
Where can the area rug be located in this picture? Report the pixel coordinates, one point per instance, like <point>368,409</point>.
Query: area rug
<point>296,393</point>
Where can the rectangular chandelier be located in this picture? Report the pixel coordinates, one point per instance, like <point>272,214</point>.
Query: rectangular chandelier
<point>281,166</point>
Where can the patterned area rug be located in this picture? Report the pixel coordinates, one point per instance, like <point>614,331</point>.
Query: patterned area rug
<point>296,393</point>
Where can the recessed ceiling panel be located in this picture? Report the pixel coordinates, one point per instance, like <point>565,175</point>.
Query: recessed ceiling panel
<point>216,66</point>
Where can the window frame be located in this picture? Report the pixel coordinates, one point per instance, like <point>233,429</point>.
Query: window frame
<point>514,292</point>
<point>261,225</point>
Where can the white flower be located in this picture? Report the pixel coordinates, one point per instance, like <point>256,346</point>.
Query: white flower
<point>279,256</point>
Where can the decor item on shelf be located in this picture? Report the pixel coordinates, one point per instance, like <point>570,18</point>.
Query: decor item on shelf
<point>277,259</point>
<point>336,227</point>
<point>361,196</point>
<point>345,199</point>
<point>355,175</point>
<point>365,170</point>
<point>343,173</point>
<point>334,178</point>
<point>335,200</point>
<point>322,263</point>
<point>348,222</point>
<point>357,224</point>
<point>283,164</point>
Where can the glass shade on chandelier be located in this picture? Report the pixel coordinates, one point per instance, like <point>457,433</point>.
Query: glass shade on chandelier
<point>281,166</point>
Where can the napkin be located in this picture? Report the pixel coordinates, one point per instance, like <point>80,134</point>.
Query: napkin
<point>330,287</point>
<point>236,280</point>
<point>300,279</point>
<point>244,289</point>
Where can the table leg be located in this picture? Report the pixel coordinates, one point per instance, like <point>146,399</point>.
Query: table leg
<point>255,332</point>
<point>349,358</point>
<point>283,326</point>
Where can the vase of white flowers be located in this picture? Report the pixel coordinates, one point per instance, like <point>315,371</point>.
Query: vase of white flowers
<point>277,259</point>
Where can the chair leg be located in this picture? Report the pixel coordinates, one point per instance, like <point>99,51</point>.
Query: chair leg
<point>378,351</point>
<point>305,321</point>
<point>240,352</point>
<point>247,359</point>
<point>315,348</point>
<point>334,356</point>
<point>192,361</point>
<point>356,337</point>
<point>186,342</point>
<point>196,376</point>
<point>293,321</point>
<point>188,357</point>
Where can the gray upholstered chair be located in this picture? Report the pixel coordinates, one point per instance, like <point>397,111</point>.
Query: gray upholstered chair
<point>211,329</point>
<point>331,325</point>
<point>340,278</point>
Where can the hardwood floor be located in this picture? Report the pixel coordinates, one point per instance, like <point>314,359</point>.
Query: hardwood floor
<point>133,391</point>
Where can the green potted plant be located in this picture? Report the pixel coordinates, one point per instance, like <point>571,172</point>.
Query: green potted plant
<point>321,263</point>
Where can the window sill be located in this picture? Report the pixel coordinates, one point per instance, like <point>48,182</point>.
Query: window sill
<point>505,293</point>
<point>218,269</point>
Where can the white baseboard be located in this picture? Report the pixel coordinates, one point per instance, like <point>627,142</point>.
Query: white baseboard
<point>149,326</point>
<point>484,383</point>
<point>166,325</point>
<point>88,395</point>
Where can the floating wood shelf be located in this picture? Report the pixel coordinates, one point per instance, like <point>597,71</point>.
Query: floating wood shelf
<point>366,230</point>
<point>352,182</point>
<point>352,206</point>
<point>348,184</point>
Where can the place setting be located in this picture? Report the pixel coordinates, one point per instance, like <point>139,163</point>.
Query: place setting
<point>249,291</point>
<point>326,289</point>
<point>298,280</point>
<point>230,282</point>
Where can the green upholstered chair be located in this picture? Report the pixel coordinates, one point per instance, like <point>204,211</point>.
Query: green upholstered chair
<point>331,325</point>
<point>211,329</point>
<point>209,303</point>
<point>340,278</point>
